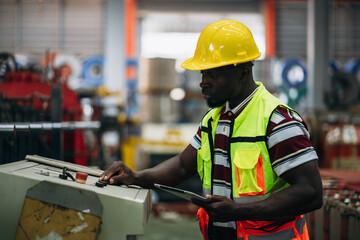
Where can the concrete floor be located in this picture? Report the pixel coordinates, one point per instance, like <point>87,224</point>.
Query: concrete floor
<point>182,227</point>
<point>172,225</point>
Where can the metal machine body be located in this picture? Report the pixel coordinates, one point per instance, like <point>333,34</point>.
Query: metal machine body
<point>125,208</point>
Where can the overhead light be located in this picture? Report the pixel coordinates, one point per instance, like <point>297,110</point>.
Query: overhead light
<point>177,94</point>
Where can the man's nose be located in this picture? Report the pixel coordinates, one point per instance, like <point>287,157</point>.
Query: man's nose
<point>205,82</point>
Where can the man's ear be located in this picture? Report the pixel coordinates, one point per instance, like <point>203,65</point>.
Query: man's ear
<point>245,73</point>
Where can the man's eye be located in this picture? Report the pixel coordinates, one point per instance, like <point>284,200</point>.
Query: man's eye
<point>210,75</point>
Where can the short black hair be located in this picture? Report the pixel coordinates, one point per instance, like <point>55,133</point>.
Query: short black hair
<point>245,64</point>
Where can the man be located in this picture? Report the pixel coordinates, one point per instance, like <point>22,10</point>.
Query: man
<point>252,152</point>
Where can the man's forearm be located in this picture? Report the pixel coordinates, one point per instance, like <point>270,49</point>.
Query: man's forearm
<point>287,203</point>
<point>146,178</point>
<point>170,172</point>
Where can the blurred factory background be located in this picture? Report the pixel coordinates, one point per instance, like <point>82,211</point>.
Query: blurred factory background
<point>96,81</point>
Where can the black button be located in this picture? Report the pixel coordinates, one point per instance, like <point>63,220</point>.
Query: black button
<point>63,176</point>
<point>99,184</point>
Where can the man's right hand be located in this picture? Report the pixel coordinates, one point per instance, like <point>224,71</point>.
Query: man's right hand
<point>118,173</point>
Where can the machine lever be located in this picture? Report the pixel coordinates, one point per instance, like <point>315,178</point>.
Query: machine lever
<point>65,174</point>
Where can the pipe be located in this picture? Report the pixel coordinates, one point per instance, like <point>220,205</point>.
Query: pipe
<point>47,126</point>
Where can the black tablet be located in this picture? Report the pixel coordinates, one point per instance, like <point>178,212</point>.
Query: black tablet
<point>180,192</point>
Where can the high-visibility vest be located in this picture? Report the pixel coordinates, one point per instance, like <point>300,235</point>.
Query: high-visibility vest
<point>253,178</point>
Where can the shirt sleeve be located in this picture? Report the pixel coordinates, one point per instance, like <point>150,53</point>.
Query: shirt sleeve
<point>196,140</point>
<point>288,141</point>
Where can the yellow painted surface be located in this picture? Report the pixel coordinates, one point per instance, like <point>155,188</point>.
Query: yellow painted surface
<point>39,220</point>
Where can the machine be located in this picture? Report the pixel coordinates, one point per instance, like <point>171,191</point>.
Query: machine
<point>119,212</point>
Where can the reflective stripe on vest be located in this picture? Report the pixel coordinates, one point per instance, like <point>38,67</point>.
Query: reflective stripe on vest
<point>249,199</point>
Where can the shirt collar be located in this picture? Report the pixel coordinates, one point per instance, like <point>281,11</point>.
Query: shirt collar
<point>244,102</point>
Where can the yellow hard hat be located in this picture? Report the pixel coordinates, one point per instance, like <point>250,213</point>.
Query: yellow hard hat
<point>223,43</point>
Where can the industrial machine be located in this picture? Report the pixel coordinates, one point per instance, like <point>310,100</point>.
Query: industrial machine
<point>105,211</point>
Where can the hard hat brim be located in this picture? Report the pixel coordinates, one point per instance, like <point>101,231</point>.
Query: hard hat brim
<point>194,65</point>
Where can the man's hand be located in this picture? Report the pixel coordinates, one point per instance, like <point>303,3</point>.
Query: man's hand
<point>118,173</point>
<point>219,208</point>
<point>170,172</point>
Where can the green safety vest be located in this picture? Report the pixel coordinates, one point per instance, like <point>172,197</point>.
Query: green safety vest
<point>252,173</point>
<point>253,178</point>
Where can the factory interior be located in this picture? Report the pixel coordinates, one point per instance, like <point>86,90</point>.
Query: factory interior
<point>85,83</point>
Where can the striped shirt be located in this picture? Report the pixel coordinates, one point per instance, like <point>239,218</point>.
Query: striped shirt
<point>288,144</point>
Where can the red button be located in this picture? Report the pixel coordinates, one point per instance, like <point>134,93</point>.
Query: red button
<point>81,177</point>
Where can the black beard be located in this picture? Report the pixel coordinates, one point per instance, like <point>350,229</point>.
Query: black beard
<point>215,104</point>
